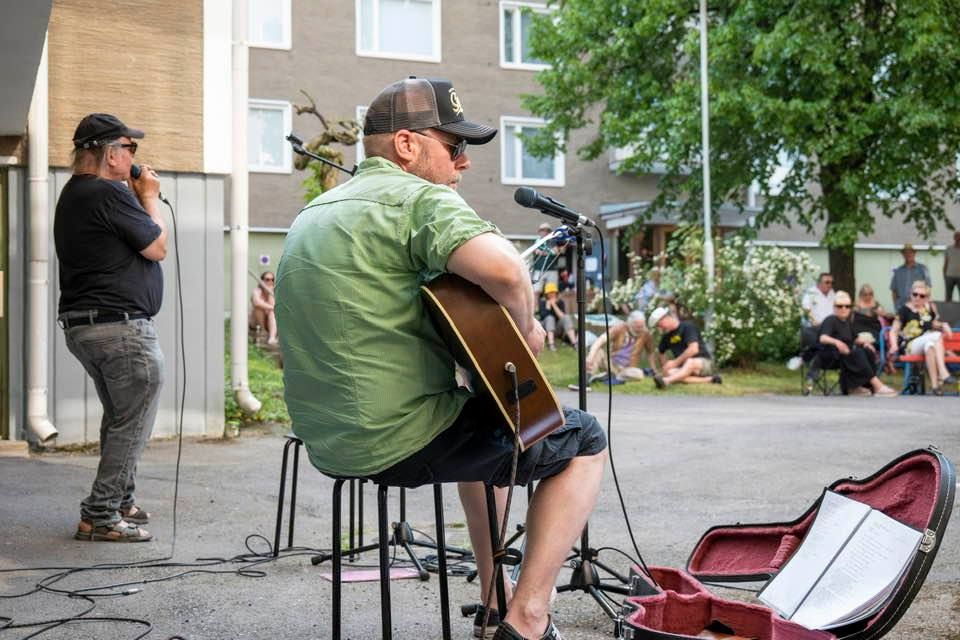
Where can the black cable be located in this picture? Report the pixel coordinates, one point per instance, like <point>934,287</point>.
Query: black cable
<point>613,467</point>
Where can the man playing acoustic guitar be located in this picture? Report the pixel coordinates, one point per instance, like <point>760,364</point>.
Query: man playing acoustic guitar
<point>369,383</point>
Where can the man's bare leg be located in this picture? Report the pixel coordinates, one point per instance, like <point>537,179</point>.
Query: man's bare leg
<point>473,497</point>
<point>687,369</point>
<point>560,508</point>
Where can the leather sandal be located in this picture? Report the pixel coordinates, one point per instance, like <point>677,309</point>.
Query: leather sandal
<point>506,632</point>
<point>119,531</point>
<point>135,515</point>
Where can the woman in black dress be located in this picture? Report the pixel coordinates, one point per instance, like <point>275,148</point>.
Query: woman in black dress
<point>856,356</point>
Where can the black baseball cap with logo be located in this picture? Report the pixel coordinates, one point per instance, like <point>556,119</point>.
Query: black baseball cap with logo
<point>98,128</point>
<point>423,103</point>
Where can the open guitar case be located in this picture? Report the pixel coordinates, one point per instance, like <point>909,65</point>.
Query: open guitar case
<point>917,489</point>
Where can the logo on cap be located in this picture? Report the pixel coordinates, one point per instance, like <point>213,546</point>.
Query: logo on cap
<point>455,102</point>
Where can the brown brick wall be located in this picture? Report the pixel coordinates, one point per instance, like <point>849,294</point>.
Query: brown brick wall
<point>142,61</point>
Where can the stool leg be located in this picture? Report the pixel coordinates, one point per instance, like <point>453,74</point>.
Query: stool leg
<point>293,493</point>
<point>283,486</point>
<point>353,508</point>
<point>495,548</point>
<point>384,563</point>
<point>337,554</point>
<point>360,513</point>
<point>442,561</point>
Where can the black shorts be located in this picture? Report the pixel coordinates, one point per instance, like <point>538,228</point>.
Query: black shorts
<point>472,450</point>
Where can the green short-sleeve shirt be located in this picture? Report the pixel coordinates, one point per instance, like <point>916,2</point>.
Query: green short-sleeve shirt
<point>368,380</point>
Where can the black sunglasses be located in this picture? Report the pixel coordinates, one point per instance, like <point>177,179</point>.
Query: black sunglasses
<point>456,150</point>
<point>128,145</point>
<point>917,294</point>
<point>842,306</point>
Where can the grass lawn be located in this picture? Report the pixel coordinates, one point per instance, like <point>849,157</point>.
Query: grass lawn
<point>768,377</point>
<point>266,383</point>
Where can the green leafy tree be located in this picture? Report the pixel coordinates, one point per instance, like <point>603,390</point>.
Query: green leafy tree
<point>859,98</point>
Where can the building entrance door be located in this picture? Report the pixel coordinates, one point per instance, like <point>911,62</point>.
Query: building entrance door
<point>4,310</point>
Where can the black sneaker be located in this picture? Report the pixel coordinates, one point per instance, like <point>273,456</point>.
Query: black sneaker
<point>493,621</point>
<point>716,379</point>
<point>657,380</point>
<point>507,632</point>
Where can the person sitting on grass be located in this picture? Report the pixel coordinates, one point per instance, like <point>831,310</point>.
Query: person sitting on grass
<point>629,341</point>
<point>691,362</point>
<point>553,313</point>
<point>855,352</point>
<point>262,316</point>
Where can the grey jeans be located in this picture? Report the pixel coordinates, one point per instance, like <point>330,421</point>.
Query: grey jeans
<point>126,364</point>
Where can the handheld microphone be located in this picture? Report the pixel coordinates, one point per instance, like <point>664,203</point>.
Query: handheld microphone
<point>135,172</point>
<point>531,199</point>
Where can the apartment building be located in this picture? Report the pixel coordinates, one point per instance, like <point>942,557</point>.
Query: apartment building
<point>343,52</point>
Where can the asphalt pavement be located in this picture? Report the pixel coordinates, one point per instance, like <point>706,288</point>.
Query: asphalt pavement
<point>684,465</point>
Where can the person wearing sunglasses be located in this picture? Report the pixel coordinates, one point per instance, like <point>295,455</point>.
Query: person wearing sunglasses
<point>854,353</point>
<point>262,302</point>
<point>110,239</point>
<point>916,330</point>
<point>369,383</point>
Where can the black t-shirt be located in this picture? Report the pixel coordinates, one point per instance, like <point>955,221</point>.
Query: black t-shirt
<point>99,229</point>
<point>834,327</point>
<point>682,337</point>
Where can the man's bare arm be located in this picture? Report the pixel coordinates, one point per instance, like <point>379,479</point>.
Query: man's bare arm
<point>493,263</point>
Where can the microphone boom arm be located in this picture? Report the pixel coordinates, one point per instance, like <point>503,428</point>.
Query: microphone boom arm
<point>298,147</point>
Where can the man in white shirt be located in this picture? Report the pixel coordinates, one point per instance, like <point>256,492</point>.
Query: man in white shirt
<point>817,302</point>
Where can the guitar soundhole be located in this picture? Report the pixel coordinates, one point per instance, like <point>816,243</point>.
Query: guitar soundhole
<point>525,388</point>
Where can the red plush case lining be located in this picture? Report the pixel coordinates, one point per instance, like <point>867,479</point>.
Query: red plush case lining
<point>906,491</point>
<point>686,608</point>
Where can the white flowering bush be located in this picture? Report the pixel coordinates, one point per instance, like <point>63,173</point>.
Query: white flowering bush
<point>623,293</point>
<point>756,299</point>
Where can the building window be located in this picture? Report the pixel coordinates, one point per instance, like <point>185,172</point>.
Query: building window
<point>518,166</point>
<point>515,21</point>
<point>268,123</point>
<point>269,24</point>
<point>361,114</point>
<point>404,29</point>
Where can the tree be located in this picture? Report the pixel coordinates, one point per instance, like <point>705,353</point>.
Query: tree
<point>323,176</point>
<point>859,99</point>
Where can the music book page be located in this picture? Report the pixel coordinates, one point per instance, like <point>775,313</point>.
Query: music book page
<point>846,567</point>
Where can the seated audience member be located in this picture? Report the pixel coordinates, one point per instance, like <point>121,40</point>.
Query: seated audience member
<point>629,341</point>
<point>565,281</point>
<point>553,313</point>
<point>262,303</point>
<point>916,331</point>
<point>817,302</point>
<point>855,353</point>
<point>868,315</point>
<point>690,362</point>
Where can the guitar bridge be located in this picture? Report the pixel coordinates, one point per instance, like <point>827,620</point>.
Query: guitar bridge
<point>524,389</point>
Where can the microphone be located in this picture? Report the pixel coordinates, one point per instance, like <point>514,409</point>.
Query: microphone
<point>135,172</point>
<point>531,199</point>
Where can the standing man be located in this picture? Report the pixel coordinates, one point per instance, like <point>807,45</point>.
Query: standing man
<point>368,382</point>
<point>544,267</point>
<point>905,275</point>
<point>689,361</point>
<point>110,240</point>
<point>951,267</point>
<point>817,302</point>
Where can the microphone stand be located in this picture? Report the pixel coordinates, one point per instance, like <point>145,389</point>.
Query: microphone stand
<point>584,559</point>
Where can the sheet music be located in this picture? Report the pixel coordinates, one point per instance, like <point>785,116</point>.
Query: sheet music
<point>836,520</point>
<point>846,567</point>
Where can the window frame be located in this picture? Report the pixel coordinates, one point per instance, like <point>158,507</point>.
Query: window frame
<point>559,159</point>
<point>287,109</point>
<point>436,28</point>
<point>517,7</point>
<point>361,113</point>
<point>287,15</point>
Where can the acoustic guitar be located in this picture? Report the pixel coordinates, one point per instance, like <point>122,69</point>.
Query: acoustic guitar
<point>484,340</point>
